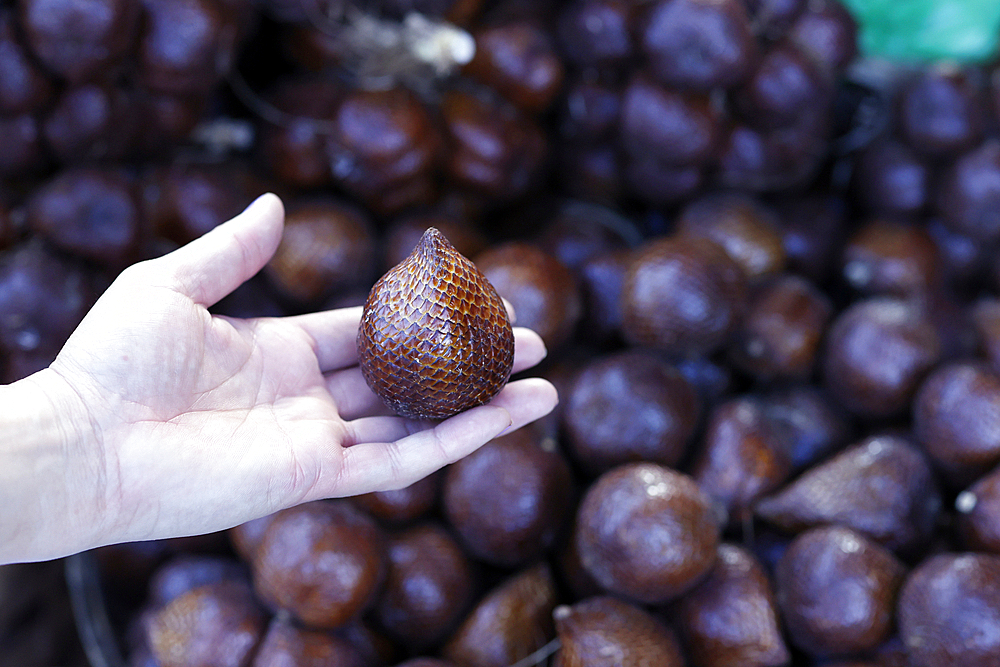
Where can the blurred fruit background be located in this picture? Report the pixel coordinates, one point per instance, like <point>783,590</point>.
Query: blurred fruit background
<point>759,238</point>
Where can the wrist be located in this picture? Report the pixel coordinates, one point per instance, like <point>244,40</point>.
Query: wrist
<point>53,465</point>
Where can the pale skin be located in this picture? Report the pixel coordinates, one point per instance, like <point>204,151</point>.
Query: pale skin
<point>158,419</point>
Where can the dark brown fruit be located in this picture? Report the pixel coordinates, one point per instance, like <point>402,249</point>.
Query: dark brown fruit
<point>837,591</point>
<point>646,532</point>
<point>590,111</point>
<point>891,258</point>
<point>23,86</point>
<point>699,44</point>
<point>781,331</point>
<point>384,149</point>
<point>435,338</point>
<point>42,299</point>
<point>604,631</point>
<point>187,572</point>
<point>246,537</point>
<point>812,231</point>
<point>877,353</point>
<point>786,85</point>
<point>509,624</point>
<point>495,151</point>
<point>216,625</point>
<point>21,139</point>
<point>295,151</point>
<point>509,499</point>
<point>517,60</point>
<point>402,505</point>
<point>742,456</point>
<point>629,407</point>
<point>173,58</point>
<point>90,122</point>
<point>882,487</point>
<point>683,295</point>
<point>956,416</point>
<point>673,128</point>
<point>657,182</point>
<point>285,644</point>
<point>428,586</point>
<point>940,113</point>
<point>89,212</point>
<point>579,231</point>
<point>979,514</point>
<point>986,318</point>
<point>826,31</point>
<point>774,160</point>
<point>890,179</point>
<point>596,32</point>
<point>543,291</point>
<point>572,573</point>
<point>949,611</point>
<point>771,18</point>
<point>184,201</point>
<point>326,246</point>
<point>602,279</point>
<point>166,119</point>
<point>323,561</point>
<point>808,422</point>
<point>746,229</point>
<point>76,40</point>
<point>710,379</point>
<point>968,196</point>
<point>731,617</point>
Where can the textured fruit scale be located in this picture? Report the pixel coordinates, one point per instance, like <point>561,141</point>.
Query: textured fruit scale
<point>435,338</point>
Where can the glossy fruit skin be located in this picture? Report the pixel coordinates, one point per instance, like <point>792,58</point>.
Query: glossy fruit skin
<point>509,499</point>
<point>428,586</point>
<point>327,245</point>
<point>400,506</point>
<point>593,630</point>
<point>781,332</point>
<point>882,487</point>
<point>877,353</point>
<point>742,456</point>
<point>646,532</point>
<point>956,414</point>
<point>78,40</point>
<point>837,590</point>
<point>89,212</point>
<point>683,295</point>
<point>435,338</point>
<point>629,406</point>
<point>541,289</point>
<point>731,617</point>
<point>323,561</point>
<point>699,44</point>
<point>216,624</point>
<point>508,624</point>
<point>287,644</point>
<point>944,599</point>
<point>979,514</point>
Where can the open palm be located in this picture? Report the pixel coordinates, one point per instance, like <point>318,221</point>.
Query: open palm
<point>200,422</point>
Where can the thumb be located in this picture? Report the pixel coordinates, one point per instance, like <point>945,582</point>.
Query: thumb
<point>213,265</point>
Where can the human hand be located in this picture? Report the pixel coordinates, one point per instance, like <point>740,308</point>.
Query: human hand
<point>177,422</point>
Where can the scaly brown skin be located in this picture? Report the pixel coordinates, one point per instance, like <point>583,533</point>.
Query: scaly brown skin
<point>435,338</point>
